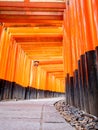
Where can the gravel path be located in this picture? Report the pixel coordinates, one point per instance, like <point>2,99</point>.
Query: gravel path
<point>77,118</point>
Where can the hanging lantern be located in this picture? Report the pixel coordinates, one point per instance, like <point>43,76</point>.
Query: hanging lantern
<point>36,63</point>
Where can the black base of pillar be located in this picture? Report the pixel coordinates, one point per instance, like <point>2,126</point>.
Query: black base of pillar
<point>71,87</point>
<point>27,93</point>
<point>84,83</point>
<point>32,93</point>
<point>18,92</point>
<point>92,83</point>
<point>76,90</point>
<point>40,94</point>
<point>2,85</point>
<point>46,93</point>
<point>80,87</point>
<point>67,89</point>
<point>6,89</point>
<point>11,90</point>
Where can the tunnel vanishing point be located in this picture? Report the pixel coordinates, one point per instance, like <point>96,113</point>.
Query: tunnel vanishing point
<point>49,48</point>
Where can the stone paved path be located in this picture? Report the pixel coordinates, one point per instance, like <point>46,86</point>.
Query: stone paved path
<point>37,114</point>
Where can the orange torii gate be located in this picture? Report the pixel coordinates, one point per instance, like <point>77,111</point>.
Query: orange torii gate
<point>31,32</point>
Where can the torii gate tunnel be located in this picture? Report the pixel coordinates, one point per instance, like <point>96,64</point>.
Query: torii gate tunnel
<point>50,48</point>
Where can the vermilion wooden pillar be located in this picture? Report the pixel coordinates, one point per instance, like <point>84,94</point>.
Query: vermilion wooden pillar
<point>93,18</point>
<point>74,46</point>
<point>80,49</point>
<point>68,58</point>
<point>65,55</point>
<point>90,58</point>
<point>82,68</point>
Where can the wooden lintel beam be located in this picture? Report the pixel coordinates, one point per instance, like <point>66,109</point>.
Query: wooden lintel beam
<point>23,20</point>
<point>35,23</point>
<point>26,18</point>
<point>41,43</point>
<point>28,30</point>
<point>57,73</point>
<point>51,24</point>
<point>37,35</point>
<point>44,58</point>
<point>53,66</point>
<point>41,47</point>
<point>58,5</point>
<point>58,76</point>
<point>54,71</point>
<point>40,56</point>
<point>50,62</point>
<point>31,9</point>
<point>32,13</point>
<point>57,66</point>
<point>38,39</point>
